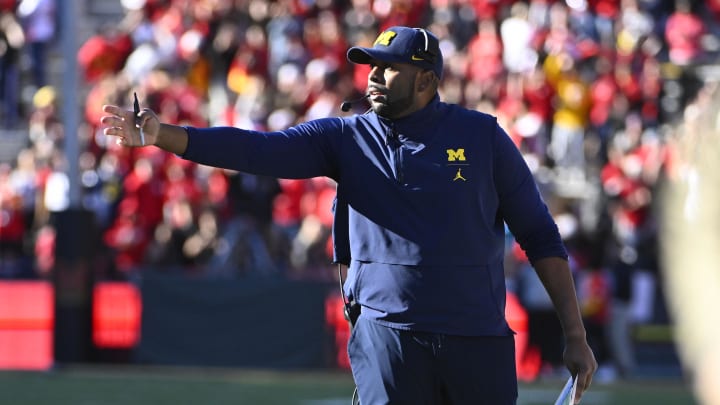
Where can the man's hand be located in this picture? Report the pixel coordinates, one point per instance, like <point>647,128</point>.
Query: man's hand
<point>579,359</point>
<point>124,125</point>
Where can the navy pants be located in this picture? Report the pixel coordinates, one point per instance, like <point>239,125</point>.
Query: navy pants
<point>398,367</point>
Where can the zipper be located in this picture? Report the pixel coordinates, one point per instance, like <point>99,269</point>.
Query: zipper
<point>393,140</point>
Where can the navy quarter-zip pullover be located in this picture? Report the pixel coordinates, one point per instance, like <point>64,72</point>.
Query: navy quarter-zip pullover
<point>427,195</point>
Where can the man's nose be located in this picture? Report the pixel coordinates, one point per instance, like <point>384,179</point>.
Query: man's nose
<point>376,75</point>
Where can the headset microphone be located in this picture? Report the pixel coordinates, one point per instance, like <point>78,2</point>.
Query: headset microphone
<point>347,105</point>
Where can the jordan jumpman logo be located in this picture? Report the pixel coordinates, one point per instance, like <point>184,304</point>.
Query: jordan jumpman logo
<point>459,176</point>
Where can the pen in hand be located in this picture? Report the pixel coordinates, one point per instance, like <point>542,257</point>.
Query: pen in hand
<point>136,107</point>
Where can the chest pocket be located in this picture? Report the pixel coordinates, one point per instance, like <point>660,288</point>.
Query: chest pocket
<point>439,170</point>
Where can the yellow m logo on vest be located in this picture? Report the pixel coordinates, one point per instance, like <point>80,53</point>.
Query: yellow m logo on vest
<point>456,154</point>
<point>385,38</point>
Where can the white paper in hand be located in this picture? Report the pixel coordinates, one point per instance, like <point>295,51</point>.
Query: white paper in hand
<point>567,395</point>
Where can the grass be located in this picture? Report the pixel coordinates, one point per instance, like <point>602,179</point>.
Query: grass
<point>115,385</point>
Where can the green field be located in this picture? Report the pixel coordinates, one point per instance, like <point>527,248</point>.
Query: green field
<point>191,386</point>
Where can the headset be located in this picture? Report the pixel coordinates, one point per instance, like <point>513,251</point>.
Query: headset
<point>425,52</point>
<point>347,104</point>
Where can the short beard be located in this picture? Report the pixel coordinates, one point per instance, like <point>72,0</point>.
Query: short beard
<point>393,108</point>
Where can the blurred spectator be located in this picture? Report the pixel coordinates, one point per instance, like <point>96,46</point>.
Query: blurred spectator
<point>309,250</point>
<point>485,52</point>
<point>594,294</point>
<point>683,33</point>
<point>23,182</point>
<point>144,187</point>
<point>287,206</point>
<point>246,79</point>
<point>38,19</point>
<point>12,41</point>
<point>200,246</point>
<point>489,9</point>
<point>569,123</point>
<point>604,97</point>
<point>606,13</point>
<point>634,26</point>
<point>519,40</point>
<point>12,227</point>
<point>104,53</point>
<point>180,183</point>
<point>538,96</point>
<point>249,238</point>
<point>44,251</point>
<point>57,185</point>
<point>284,32</point>
<point>98,194</point>
<point>128,239</point>
<point>45,128</point>
<point>167,249</point>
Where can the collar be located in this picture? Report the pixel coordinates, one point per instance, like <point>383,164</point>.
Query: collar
<point>416,125</point>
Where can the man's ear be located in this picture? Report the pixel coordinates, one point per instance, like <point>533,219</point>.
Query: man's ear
<point>426,80</point>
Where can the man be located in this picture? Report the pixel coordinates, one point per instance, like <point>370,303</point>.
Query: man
<point>428,187</point>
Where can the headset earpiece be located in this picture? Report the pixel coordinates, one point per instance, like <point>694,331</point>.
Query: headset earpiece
<point>425,52</point>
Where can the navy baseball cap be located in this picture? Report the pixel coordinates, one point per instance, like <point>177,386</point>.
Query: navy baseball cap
<point>415,46</point>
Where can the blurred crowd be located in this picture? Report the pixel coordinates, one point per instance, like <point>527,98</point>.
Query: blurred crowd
<point>588,90</point>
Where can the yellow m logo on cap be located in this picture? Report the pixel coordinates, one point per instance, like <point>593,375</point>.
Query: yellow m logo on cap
<point>385,38</point>
<point>456,154</point>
